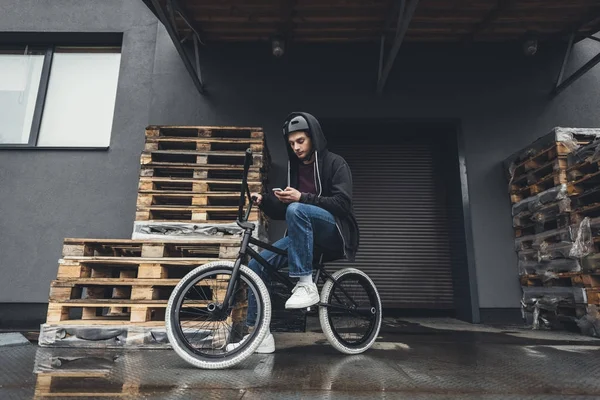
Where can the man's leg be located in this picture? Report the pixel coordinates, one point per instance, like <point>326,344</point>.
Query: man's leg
<point>308,225</point>
<point>278,261</point>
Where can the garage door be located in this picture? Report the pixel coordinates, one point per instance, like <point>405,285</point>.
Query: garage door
<point>402,214</point>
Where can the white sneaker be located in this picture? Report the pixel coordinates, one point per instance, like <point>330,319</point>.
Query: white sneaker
<point>303,295</point>
<point>266,347</point>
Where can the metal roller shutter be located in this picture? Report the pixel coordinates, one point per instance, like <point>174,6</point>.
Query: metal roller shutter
<point>405,246</point>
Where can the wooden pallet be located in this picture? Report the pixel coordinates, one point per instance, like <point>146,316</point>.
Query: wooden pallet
<point>200,171</point>
<point>552,237</point>
<point>538,159</point>
<point>580,185</point>
<point>216,248</point>
<point>195,185</point>
<point>536,228</point>
<point>540,268</point>
<point>136,299</point>
<point>131,280</point>
<point>215,158</point>
<point>582,169</point>
<point>549,217</point>
<point>562,279</point>
<point>583,154</point>
<point>188,199</point>
<point>590,211</point>
<point>82,301</point>
<point>204,144</point>
<point>519,193</point>
<point>531,177</point>
<point>224,132</point>
<point>593,296</point>
<point>82,384</point>
<point>200,214</point>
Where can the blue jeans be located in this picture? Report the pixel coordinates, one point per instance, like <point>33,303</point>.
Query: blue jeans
<point>307,225</point>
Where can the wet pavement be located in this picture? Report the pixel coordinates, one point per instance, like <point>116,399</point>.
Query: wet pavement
<point>413,359</point>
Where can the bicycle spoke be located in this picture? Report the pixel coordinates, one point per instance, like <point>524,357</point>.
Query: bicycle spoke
<point>203,331</point>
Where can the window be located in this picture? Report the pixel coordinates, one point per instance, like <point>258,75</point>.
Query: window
<point>58,96</point>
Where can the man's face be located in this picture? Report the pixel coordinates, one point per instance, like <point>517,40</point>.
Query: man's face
<point>301,144</point>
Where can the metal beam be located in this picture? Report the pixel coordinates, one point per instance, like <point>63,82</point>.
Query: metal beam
<point>184,13</point>
<point>396,8</point>
<point>489,19</point>
<point>576,75</point>
<point>565,60</point>
<point>403,22</point>
<point>172,31</point>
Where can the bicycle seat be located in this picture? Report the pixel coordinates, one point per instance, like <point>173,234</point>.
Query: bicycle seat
<point>328,255</point>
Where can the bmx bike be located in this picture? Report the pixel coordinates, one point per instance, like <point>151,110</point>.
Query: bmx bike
<point>201,312</point>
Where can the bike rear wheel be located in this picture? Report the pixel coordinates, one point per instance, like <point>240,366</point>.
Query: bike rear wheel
<point>199,326</point>
<point>352,316</point>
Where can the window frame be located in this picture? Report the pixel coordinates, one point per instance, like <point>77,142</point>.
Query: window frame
<point>40,103</point>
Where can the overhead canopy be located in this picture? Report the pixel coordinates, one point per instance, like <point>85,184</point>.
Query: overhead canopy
<point>386,21</point>
<point>366,20</point>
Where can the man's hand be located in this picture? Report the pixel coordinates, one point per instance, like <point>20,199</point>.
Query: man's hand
<point>258,198</point>
<point>289,195</point>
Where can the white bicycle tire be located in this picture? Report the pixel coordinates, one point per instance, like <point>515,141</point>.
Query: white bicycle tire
<point>249,348</point>
<point>324,314</point>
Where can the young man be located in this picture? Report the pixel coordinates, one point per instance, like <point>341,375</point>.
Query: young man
<point>317,206</point>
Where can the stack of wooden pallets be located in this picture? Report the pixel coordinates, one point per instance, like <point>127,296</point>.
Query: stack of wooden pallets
<point>553,187</point>
<point>190,178</point>
<point>114,292</point>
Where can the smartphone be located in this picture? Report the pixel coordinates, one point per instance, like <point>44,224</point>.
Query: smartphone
<point>277,189</point>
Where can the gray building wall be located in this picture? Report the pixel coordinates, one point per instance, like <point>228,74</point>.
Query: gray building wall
<point>47,195</point>
<point>499,96</point>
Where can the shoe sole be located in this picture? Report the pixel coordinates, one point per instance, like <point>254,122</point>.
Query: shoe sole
<point>303,305</point>
<point>268,350</point>
<point>261,349</point>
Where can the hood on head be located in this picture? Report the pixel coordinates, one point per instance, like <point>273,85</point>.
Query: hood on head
<point>314,131</point>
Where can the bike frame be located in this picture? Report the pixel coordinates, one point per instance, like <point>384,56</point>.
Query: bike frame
<point>246,251</point>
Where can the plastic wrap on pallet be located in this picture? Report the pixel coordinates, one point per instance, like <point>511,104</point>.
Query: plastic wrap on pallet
<point>557,193</point>
<point>537,299</point>
<point>560,235</point>
<point>511,174</point>
<point>548,213</point>
<point>589,324</point>
<point>528,255</point>
<point>583,240</point>
<point>105,337</point>
<point>534,305</point>
<point>554,251</point>
<point>521,243</point>
<point>568,294</point>
<point>190,231</point>
<point>590,152</point>
<point>534,203</point>
<point>545,268</point>
<point>63,360</point>
<point>596,156</point>
<point>523,205</point>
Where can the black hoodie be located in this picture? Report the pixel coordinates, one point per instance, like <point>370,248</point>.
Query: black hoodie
<point>333,184</point>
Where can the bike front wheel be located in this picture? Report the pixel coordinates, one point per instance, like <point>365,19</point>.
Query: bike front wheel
<point>351,313</point>
<point>199,326</point>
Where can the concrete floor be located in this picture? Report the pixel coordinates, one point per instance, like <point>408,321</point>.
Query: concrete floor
<point>414,358</point>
